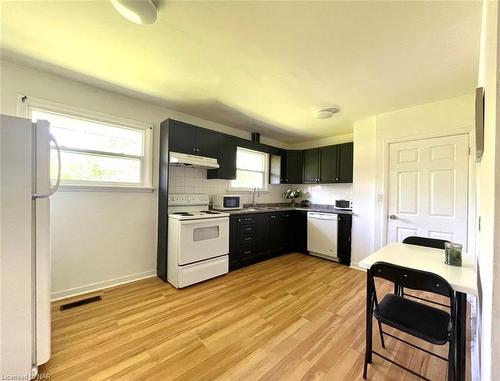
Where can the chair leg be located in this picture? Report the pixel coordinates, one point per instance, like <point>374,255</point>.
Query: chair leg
<point>381,334</point>
<point>369,323</point>
<point>451,360</point>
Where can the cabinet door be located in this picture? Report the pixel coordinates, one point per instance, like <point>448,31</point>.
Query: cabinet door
<point>345,159</point>
<point>311,162</point>
<point>299,231</point>
<point>287,230</point>
<point>226,157</point>
<point>262,241</point>
<point>344,238</point>
<point>206,142</point>
<point>293,167</point>
<point>181,137</point>
<point>328,164</point>
<point>277,230</point>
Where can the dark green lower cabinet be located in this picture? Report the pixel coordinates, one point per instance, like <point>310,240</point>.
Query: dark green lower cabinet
<point>344,238</point>
<point>298,231</point>
<point>260,236</point>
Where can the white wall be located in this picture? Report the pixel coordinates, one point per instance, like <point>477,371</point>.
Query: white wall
<point>363,220</point>
<point>98,238</point>
<point>488,189</point>
<point>371,139</point>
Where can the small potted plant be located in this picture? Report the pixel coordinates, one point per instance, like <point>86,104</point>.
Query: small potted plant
<point>292,194</point>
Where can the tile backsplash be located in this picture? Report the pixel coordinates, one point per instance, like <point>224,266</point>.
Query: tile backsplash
<point>325,193</point>
<point>194,180</point>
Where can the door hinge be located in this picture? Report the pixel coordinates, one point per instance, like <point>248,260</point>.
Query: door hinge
<point>469,151</point>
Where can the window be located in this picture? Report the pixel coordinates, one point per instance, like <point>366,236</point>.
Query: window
<point>251,170</point>
<point>99,153</point>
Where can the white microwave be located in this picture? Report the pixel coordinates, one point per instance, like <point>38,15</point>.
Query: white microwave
<point>227,202</point>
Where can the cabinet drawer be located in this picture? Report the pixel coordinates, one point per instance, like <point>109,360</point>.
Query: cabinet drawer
<point>246,240</point>
<point>246,220</point>
<point>246,251</point>
<point>246,230</point>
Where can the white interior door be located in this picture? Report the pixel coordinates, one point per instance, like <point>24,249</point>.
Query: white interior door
<point>428,181</point>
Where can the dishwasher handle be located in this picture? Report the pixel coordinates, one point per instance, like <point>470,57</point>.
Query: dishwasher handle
<point>322,216</point>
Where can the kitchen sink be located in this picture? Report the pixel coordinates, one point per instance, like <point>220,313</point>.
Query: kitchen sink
<point>260,208</point>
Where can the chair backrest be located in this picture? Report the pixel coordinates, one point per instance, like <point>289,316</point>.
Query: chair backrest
<point>424,241</point>
<point>413,279</point>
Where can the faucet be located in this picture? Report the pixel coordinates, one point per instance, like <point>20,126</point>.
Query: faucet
<point>253,197</point>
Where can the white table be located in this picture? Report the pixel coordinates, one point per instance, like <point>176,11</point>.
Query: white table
<point>462,279</point>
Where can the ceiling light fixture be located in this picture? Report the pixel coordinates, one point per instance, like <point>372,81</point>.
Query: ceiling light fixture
<point>137,11</point>
<point>327,113</point>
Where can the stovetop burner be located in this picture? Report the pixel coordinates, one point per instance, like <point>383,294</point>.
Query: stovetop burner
<point>196,214</point>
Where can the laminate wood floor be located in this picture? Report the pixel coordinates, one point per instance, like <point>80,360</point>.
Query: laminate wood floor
<point>295,317</point>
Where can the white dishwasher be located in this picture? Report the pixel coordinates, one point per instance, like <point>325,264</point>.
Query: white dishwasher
<point>322,235</point>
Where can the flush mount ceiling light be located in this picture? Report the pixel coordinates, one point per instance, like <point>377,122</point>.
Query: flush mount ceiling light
<point>327,113</point>
<point>137,11</point>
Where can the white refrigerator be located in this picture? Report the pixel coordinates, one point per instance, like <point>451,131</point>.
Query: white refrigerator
<point>25,191</point>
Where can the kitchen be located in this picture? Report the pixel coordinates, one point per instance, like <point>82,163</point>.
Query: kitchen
<point>177,247</point>
<point>251,232</point>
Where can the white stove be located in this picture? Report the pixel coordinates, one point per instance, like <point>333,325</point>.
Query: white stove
<point>198,240</point>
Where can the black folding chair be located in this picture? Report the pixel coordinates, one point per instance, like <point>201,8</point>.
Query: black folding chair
<point>427,242</point>
<point>417,319</point>
<point>424,241</point>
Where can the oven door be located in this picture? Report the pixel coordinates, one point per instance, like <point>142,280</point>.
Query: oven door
<point>203,239</point>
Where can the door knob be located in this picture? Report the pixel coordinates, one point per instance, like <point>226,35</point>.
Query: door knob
<point>393,217</point>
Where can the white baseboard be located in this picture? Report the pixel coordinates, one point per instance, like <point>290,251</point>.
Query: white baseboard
<point>355,266</point>
<point>101,285</point>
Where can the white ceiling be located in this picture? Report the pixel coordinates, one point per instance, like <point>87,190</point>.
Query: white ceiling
<point>261,66</point>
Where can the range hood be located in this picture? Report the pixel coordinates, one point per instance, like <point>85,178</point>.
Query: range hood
<point>184,159</point>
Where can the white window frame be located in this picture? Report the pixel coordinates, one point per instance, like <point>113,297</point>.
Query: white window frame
<point>265,172</point>
<point>25,106</point>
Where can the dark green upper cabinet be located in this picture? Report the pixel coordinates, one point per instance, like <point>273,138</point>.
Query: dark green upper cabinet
<point>328,164</point>
<point>345,163</point>
<point>311,166</point>
<point>325,165</point>
<point>181,137</point>
<point>206,142</point>
<point>291,164</point>
<point>186,138</point>
<point>226,157</point>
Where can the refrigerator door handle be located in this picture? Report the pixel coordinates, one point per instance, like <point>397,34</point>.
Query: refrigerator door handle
<point>58,180</point>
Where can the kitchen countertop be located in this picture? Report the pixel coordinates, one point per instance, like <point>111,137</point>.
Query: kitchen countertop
<point>266,208</point>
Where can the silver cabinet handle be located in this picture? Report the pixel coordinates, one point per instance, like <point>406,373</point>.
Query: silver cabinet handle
<point>393,217</point>
<point>53,189</point>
